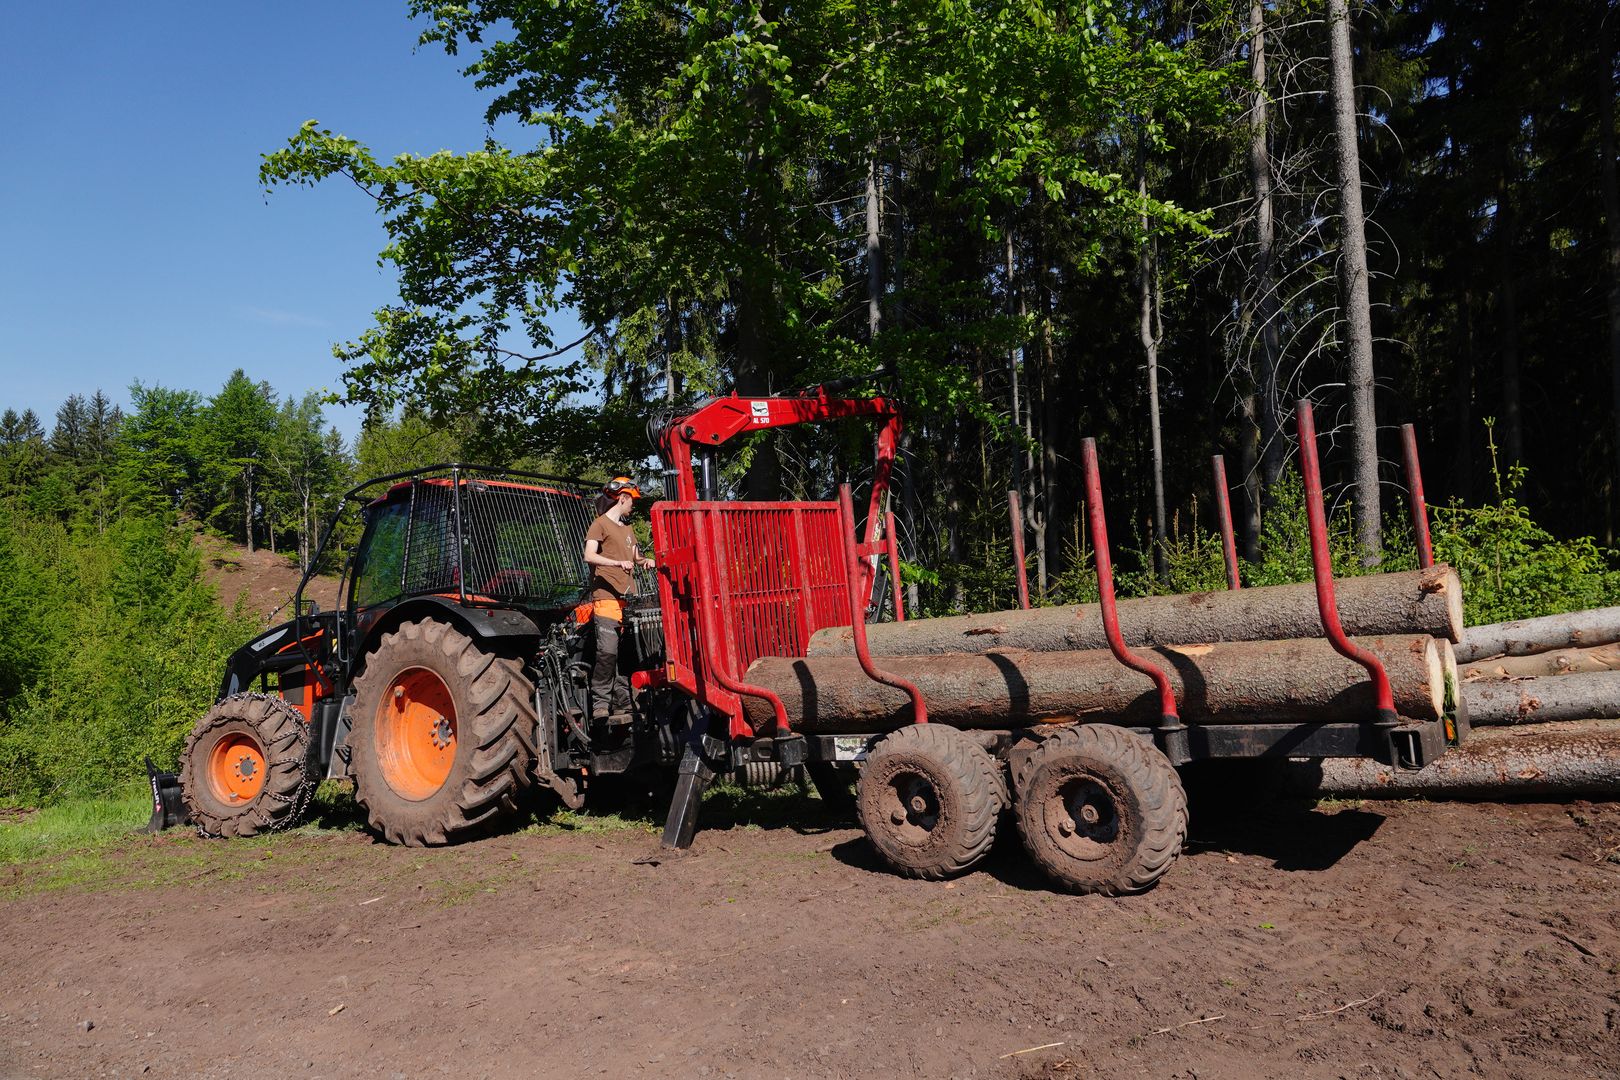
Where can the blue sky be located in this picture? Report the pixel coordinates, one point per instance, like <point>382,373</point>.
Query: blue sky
<point>136,241</point>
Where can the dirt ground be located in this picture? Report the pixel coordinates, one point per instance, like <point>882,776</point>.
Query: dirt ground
<point>1351,940</point>
<point>263,581</point>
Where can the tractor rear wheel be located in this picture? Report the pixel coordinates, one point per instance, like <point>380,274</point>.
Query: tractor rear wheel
<point>441,735</point>
<point>1101,810</point>
<point>245,768</point>
<point>929,798</point>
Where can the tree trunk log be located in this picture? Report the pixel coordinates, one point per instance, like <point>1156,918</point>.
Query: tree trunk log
<point>1354,299</point>
<point>1526,637</point>
<point>1232,682</point>
<point>1553,697</point>
<point>1564,759</point>
<point>1562,662</point>
<point>1414,602</point>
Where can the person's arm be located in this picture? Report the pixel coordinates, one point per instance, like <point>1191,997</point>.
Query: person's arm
<point>635,553</point>
<point>594,556</point>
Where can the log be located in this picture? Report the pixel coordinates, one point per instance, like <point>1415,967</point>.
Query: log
<point>1413,602</point>
<point>1561,662</point>
<point>1526,637</point>
<point>1302,680</point>
<point>1564,759</point>
<point>1549,697</point>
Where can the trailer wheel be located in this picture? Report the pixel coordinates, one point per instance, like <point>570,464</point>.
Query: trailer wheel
<point>245,767</point>
<point>441,734</point>
<point>929,798</point>
<point>1102,810</point>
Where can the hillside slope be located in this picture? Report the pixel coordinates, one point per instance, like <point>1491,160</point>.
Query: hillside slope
<point>262,581</point>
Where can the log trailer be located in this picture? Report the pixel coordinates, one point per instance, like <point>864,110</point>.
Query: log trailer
<point>453,676</point>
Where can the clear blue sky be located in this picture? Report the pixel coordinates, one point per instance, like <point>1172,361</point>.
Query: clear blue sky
<point>135,242</point>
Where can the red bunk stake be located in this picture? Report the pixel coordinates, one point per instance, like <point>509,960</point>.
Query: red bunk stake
<point>1016,512</point>
<point>894,568</point>
<point>1172,732</point>
<point>1322,568</point>
<point>1420,508</point>
<point>1223,514</point>
<point>857,608</point>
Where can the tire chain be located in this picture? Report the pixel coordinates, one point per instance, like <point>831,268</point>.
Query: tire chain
<point>301,799</point>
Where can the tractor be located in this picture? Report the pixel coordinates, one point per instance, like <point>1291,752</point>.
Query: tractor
<point>453,678</point>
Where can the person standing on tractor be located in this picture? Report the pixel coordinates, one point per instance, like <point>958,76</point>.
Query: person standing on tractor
<point>613,555</point>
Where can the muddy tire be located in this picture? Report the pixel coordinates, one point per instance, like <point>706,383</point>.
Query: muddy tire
<point>1102,810</point>
<point>929,798</point>
<point>245,768</point>
<point>441,735</point>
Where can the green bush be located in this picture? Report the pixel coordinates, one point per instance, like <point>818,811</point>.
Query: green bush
<point>1511,567</point>
<point>113,644</point>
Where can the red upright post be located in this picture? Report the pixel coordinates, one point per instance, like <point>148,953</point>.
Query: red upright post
<point>1016,513</point>
<point>1420,508</point>
<point>1327,605</point>
<point>857,608</point>
<point>894,569</point>
<point>1170,725</point>
<point>1223,514</point>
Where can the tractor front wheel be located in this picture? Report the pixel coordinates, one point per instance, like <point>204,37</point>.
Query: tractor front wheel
<point>929,798</point>
<point>441,735</point>
<point>245,768</point>
<point>1101,810</point>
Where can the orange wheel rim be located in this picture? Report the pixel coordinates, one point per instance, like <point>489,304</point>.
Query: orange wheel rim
<point>236,769</point>
<point>416,733</point>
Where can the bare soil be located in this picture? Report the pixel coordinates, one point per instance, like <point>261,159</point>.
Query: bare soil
<point>263,582</point>
<point>1349,940</point>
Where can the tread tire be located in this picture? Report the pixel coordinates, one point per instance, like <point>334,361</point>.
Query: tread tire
<point>282,735</point>
<point>495,726</point>
<point>970,793</point>
<point>1148,805</point>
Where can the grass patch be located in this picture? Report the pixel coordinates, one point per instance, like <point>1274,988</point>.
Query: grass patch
<point>563,822</point>
<point>80,825</point>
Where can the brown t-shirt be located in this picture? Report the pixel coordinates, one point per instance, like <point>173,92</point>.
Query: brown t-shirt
<point>618,542</point>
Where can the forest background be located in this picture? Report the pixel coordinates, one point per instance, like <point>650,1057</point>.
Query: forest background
<point>1030,222</point>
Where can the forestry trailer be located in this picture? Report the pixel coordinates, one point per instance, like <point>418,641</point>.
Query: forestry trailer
<point>454,675</point>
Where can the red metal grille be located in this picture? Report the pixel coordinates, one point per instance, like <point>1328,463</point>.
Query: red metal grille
<point>777,577</point>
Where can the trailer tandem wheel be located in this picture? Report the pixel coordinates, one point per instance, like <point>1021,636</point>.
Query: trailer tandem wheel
<point>245,768</point>
<point>441,735</point>
<point>929,798</point>
<point>1101,810</point>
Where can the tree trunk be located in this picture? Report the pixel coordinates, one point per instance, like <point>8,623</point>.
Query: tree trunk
<point>1507,314</point>
<point>1232,682</point>
<point>1273,444</point>
<point>874,264</point>
<point>1611,214</point>
<point>1249,467</point>
<point>1150,351</point>
<point>1549,697</point>
<point>1557,760</point>
<point>307,527</point>
<point>1560,662</point>
<point>1462,458</point>
<point>1353,290</point>
<point>247,507</point>
<point>1524,637</point>
<point>1413,602</point>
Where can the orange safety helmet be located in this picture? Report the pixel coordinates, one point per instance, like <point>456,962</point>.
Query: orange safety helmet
<point>619,485</point>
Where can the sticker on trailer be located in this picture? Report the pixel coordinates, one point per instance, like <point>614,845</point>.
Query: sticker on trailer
<point>849,747</point>
<point>761,411</point>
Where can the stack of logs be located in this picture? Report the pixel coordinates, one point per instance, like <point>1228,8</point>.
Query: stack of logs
<point>1247,656</point>
<point>1544,698</point>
